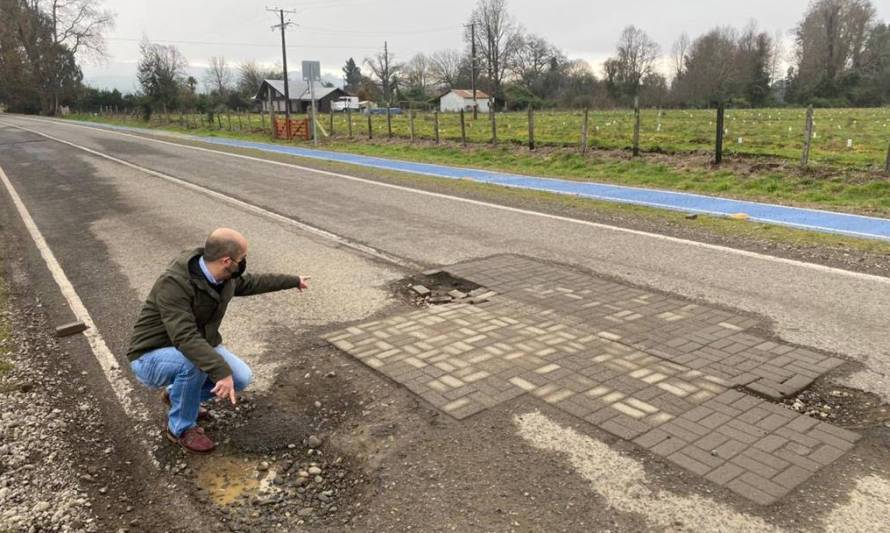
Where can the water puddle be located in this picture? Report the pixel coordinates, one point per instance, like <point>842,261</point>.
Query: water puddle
<point>228,478</point>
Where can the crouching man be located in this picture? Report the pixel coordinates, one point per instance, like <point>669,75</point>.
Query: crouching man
<point>176,343</point>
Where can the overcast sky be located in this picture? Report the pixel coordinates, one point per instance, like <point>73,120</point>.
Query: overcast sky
<point>332,30</point>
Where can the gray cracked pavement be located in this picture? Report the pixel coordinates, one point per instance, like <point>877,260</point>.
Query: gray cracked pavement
<point>108,207</point>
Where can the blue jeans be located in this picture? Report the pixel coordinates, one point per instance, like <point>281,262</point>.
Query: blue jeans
<point>187,384</point>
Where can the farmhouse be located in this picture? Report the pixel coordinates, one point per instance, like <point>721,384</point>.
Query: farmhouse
<point>271,96</point>
<point>457,99</point>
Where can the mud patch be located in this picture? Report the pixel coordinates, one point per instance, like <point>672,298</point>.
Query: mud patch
<point>270,430</point>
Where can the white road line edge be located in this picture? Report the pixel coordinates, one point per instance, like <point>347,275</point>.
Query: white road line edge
<point>707,246</point>
<point>110,367</point>
<point>244,205</point>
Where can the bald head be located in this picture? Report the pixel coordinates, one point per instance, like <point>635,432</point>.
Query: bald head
<point>225,242</point>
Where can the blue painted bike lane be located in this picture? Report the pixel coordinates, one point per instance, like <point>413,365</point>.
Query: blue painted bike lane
<point>810,219</point>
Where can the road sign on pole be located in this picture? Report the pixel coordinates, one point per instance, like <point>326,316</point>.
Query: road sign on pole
<point>312,74</point>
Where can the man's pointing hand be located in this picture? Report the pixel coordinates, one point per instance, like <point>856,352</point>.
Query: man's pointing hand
<point>225,388</point>
<point>303,284</point>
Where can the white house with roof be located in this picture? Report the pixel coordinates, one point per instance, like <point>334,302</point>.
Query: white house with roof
<point>457,99</point>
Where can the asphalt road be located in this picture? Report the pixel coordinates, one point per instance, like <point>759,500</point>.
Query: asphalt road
<point>834,311</point>
<point>113,227</point>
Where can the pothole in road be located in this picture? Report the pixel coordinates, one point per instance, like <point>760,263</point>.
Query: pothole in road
<point>849,408</point>
<point>436,287</point>
<point>276,466</point>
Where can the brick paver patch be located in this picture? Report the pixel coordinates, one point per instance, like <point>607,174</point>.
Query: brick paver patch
<point>645,367</point>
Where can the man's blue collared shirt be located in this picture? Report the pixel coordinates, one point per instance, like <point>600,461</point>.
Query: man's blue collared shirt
<point>206,272</point>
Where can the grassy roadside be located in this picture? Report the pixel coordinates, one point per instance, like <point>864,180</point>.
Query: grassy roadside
<point>747,178</point>
<point>652,219</point>
<point>632,216</point>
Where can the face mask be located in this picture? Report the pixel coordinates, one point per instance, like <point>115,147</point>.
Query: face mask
<point>242,267</point>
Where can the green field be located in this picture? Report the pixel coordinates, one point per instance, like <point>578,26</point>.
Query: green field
<point>755,132</point>
<point>770,132</point>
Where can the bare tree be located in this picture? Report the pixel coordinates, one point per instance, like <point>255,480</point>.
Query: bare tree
<point>679,53</point>
<point>386,70</point>
<point>446,68</point>
<point>218,76</point>
<point>80,24</point>
<point>497,40</point>
<point>635,58</point>
<point>77,25</point>
<point>418,72</point>
<point>250,77</point>
<point>161,72</point>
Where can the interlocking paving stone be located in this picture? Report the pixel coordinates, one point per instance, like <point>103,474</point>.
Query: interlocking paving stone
<point>642,366</point>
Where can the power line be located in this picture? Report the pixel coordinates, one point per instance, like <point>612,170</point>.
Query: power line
<point>315,29</point>
<point>259,45</point>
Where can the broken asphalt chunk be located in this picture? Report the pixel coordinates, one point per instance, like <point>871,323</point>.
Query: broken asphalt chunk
<point>420,290</point>
<point>73,328</point>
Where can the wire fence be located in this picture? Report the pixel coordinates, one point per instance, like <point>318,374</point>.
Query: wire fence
<point>856,137</point>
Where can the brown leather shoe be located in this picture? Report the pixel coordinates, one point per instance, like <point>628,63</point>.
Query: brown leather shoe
<point>203,414</point>
<point>192,440</point>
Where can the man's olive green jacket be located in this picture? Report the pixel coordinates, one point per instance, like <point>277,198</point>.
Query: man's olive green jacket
<point>184,310</point>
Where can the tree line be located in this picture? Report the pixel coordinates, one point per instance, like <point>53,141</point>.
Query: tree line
<point>840,57</point>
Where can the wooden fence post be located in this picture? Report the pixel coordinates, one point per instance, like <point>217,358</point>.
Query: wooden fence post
<point>636,139</point>
<point>240,125</point>
<point>463,128</point>
<point>229,120</point>
<point>370,128</point>
<point>584,130</point>
<point>263,119</point>
<point>388,122</point>
<point>411,123</point>
<point>718,145</point>
<point>219,120</point>
<point>349,120</point>
<point>494,126</point>
<point>331,132</point>
<point>807,138</point>
<point>531,128</point>
<point>436,130</point>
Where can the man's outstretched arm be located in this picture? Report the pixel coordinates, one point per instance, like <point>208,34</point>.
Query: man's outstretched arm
<point>250,284</point>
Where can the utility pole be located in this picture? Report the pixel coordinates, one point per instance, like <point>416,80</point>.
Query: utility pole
<point>387,90</point>
<point>283,25</point>
<point>473,68</point>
